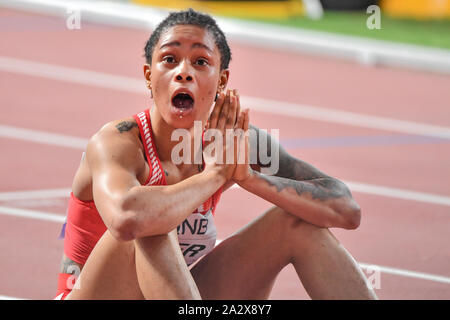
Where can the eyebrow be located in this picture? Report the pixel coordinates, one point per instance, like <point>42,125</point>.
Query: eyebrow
<point>177,44</point>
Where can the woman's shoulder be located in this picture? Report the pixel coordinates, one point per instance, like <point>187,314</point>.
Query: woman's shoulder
<point>119,126</point>
<point>122,129</point>
<point>119,136</point>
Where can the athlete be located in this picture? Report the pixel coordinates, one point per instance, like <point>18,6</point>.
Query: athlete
<point>140,224</point>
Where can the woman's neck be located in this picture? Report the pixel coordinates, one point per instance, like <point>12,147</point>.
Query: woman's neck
<point>162,134</point>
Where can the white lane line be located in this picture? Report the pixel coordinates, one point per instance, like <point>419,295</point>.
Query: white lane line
<point>35,194</point>
<point>129,84</point>
<point>32,214</point>
<point>392,193</point>
<point>10,298</point>
<point>345,117</point>
<point>68,74</point>
<point>406,273</point>
<point>54,139</point>
<point>398,193</point>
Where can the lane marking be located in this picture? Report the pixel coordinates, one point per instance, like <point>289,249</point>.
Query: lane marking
<point>398,193</point>
<point>359,141</point>
<point>69,74</point>
<point>32,214</point>
<point>10,298</point>
<point>345,117</point>
<point>35,194</point>
<point>406,273</point>
<point>289,109</point>
<point>54,139</point>
<point>392,193</point>
<point>60,219</point>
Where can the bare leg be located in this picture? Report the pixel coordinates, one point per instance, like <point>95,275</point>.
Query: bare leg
<point>246,265</point>
<point>109,272</point>
<point>326,268</point>
<point>161,269</point>
<point>150,267</point>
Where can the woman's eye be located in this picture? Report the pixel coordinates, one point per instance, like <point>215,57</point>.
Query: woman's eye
<point>169,59</point>
<point>202,62</point>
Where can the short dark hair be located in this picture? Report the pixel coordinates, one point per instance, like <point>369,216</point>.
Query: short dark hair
<point>191,17</point>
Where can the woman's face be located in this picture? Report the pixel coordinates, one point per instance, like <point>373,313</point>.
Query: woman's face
<point>185,75</point>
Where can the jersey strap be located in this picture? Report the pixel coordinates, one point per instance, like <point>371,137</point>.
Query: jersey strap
<point>156,176</point>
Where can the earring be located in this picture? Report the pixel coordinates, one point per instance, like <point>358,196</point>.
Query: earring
<point>149,86</point>
<point>220,89</point>
<point>217,94</point>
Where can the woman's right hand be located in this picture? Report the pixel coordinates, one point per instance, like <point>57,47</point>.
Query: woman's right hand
<point>222,134</point>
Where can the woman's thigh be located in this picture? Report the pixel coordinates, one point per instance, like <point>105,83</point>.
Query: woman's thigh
<point>150,267</point>
<point>245,265</point>
<point>109,272</point>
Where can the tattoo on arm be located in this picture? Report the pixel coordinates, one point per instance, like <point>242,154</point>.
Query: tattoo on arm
<point>126,126</point>
<point>320,188</point>
<point>301,176</point>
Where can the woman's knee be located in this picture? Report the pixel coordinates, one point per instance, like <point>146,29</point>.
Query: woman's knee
<point>157,241</point>
<point>282,219</point>
<point>295,228</point>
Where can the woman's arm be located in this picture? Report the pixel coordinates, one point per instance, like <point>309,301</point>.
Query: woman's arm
<point>130,210</point>
<point>300,189</point>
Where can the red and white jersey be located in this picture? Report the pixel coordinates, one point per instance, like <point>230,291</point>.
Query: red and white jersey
<point>197,234</point>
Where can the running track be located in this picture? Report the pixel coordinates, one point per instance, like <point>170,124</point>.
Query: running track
<point>58,87</point>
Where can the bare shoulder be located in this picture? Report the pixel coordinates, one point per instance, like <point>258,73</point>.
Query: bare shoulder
<point>116,142</point>
<point>122,130</point>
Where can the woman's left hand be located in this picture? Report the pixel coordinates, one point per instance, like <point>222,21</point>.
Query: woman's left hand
<point>243,170</point>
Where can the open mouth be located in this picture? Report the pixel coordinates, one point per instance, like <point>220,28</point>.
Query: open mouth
<point>183,101</point>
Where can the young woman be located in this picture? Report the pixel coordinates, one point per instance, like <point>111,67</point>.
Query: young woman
<point>138,221</point>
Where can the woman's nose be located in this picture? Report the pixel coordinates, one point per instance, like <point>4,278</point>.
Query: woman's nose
<point>183,73</point>
<point>180,77</point>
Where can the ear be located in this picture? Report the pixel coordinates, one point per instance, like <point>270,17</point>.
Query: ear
<point>147,72</point>
<point>223,80</point>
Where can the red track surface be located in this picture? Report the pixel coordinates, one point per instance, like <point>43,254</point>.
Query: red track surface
<point>397,233</point>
